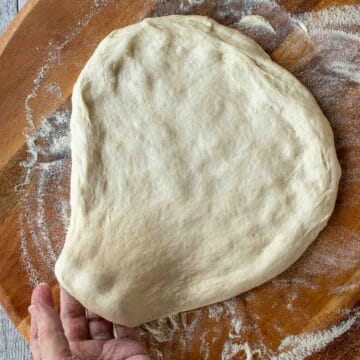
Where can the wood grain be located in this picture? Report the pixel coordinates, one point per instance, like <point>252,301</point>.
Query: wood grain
<point>12,344</point>
<point>25,48</point>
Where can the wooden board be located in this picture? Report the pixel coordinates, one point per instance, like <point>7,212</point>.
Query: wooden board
<point>41,55</point>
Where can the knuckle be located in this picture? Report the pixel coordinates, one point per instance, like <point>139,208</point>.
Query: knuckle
<point>49,333</point>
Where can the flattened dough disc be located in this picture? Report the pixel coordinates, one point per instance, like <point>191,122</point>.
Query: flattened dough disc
<point>200,169</point>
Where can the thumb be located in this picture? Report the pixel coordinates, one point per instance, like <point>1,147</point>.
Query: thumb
<point>52,341</point>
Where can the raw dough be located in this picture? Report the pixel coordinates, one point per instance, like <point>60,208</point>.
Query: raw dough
<point>200,169</point>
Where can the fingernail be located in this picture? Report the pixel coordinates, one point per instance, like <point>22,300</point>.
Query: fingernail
<point>43,284</point>
<point>32,309</point>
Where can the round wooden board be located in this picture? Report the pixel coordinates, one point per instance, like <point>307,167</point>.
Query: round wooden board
<point>41,56</point>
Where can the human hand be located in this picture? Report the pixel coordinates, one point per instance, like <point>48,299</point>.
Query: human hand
<point>77,333</point>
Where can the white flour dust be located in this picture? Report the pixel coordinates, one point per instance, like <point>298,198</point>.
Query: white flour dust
<point>215,311</point>
<point>292,347</point>
<point>298,347</point>
<point>346,288</point>
<point>328,67</point>
<point>298,282</point>
<point>204,347</point>
<point>335,257</point>
<point>41,189</point>
<point>231,350</point>
<point>163,330</point>
<point>44,202</point>
<point>52,58</point>
<point>55,90</point>
<point>255,21</point>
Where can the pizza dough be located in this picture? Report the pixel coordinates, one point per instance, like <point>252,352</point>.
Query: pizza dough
<point>200,169</point>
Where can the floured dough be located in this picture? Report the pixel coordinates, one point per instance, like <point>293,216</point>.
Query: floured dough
<point>200,169</point>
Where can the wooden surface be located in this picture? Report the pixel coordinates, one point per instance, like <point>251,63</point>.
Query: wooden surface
<point>73,29</point>
<point>12,344</point>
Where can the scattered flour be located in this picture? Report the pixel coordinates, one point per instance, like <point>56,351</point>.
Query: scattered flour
<point>190,322</point>
<point>291,297</point>
<point>164,329</point>
<point>45,171</point>
<point>255,21</point>
<point>346,288</point>
<point>333,254</point>
<point>55,90</point>
<point>159,354</point>
<point>293,347</point>
<point>236,328</point>
<point>298,282</point>
<point>215,311</point>
<point>336,17</point>
<point>231,350</point>
<point>205,346</point>
<point>298,347</point>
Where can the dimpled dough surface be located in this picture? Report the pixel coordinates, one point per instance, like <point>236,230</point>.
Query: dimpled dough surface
<point>200,169</point>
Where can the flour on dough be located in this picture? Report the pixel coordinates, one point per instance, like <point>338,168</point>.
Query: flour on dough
<point>200,169</point>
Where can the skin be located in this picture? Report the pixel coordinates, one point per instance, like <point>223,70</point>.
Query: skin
<point>77,333</point>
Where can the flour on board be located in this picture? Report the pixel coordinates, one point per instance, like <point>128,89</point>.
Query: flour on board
<point>333,39</point>
<point>231,350</point>
<point>48,156</point>
<point>255,21</point>
<point>298,347</point>
<point>292,347</point>
<point>348,288</point>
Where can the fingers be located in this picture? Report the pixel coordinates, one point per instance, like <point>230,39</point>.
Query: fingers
<point>34,340</point>
<point>100,329</point>
<point>41,294</point>
<point>47,336</point>
<point>73,317</point>
<point>126,332</point>
<point>53,343</point>
<point>124,349</point>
